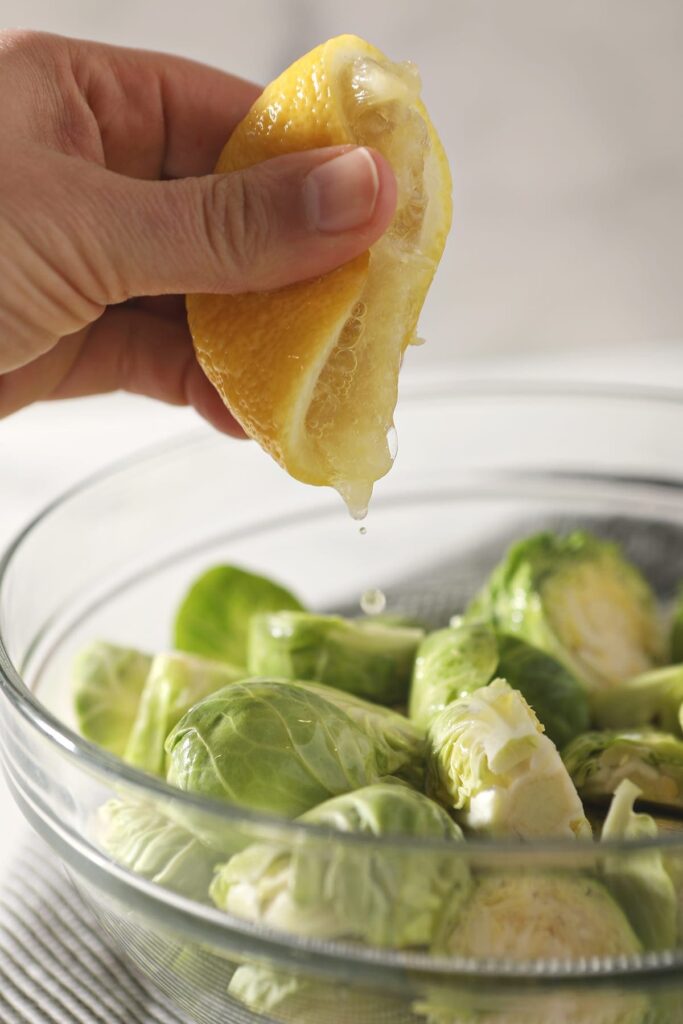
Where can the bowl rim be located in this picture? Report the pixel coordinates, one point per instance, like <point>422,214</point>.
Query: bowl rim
<point>413,390</point>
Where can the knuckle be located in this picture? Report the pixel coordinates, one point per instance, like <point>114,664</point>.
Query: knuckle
<point>24,42</point>
<point>237,222</point>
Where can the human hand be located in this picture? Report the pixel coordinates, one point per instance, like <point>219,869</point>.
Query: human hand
<point>109,212</point>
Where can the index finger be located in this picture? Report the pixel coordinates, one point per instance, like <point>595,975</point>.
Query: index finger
<point>158,115</point>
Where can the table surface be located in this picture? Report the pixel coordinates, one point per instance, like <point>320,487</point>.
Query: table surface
<point>45,449</point>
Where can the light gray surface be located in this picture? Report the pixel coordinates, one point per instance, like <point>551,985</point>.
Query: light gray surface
<point>561,122</point>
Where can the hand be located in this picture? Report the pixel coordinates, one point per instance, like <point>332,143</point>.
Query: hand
<point>106,199</point>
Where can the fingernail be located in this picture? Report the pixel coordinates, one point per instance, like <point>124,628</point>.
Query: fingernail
<point>341,194</point>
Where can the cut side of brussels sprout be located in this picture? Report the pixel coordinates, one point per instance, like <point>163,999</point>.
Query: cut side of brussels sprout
<point>654,698</point>
<point>541,916</point>
<point>653,761</point>
<point>271,746</point>
<point>175,682</point>
<point>213,617</point>
<point>399,743</point>
<point>107,682</point>
<point>449,663</point>
<point>140,837</point>
<point>639,880</point>
<point>368,659</point>
<point>578,599</point>
<point>385,895</point>
<point>488,759</point>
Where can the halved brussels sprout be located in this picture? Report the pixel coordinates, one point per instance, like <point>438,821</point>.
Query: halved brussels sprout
<point>140,837</point>
<point>449,663</point>
<point>578,599</point>
<point>639,880</point>
<point>541,915</point>
<point>487,758</point>
<point>368,659</point>
<point>293,998</point>
<point>271,746</point>
<point>213,617</point>
<point>175,682</point>
<point>106,683</point>
<point>654,698</point>
<point>599,761</point>
<point>384,895</point>
<point>399,742</point>
<point>455,661</point>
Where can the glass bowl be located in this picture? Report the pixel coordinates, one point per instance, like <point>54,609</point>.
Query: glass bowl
<point>478,465</point>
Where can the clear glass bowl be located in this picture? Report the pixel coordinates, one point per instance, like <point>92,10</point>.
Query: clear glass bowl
<point>478,465</point>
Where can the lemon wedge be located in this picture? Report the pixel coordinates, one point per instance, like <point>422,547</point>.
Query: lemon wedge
<point>311,370</point>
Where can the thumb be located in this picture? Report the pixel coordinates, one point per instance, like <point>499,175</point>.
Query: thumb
<point>281,221</point>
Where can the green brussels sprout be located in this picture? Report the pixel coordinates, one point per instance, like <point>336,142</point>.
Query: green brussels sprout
<point>578,599</point>
<point>541,915</point>
<point>399,742</point>
<point>654,698</point>
<point>106,683</point>
<point>370,659</point>
<point>387,896</point>
<point>270,746</point>
<point>639,880</point>
<point>598,761</point>
<point>487,758</point>
<point>676,638</point>
<point>449,663</point>
<point>143,839</point>
<point>213,617</point>
<point>175,682</point>
<point>455,661</point>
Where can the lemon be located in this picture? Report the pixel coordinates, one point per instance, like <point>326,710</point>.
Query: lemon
<point>311,370</point>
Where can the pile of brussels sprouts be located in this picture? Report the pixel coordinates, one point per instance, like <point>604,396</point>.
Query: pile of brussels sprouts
<point>557,685</point>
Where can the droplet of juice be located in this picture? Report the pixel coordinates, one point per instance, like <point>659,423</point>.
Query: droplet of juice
<point>363,530</point>
<point>373,601</point>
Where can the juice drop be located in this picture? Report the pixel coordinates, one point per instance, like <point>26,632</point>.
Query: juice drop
<point>373,601</point>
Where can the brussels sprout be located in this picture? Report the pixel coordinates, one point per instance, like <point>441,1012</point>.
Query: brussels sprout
<point>540,916</point>
<point>140,837</point>
<point>578,599</point>
<point>639,880</point>
<point>399,742</point>
<point>296,999</point>
<point>654,698</point>
<point>271,746</point>
<point>450,663</point>
<point>369,659</point>
<point>107,682</point>
<point>487,758</point>
<point>387,896</point>
<point>175,682</point>
<point>598,761</point>
<point>213,617</point>
<point>559,1004</point>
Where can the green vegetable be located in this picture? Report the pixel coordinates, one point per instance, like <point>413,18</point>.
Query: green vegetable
<point>487,758</point>
<point>270,746</point>
<point>540,916</point>
<point>140,837</point>
<point>399,742</point>
<point>653,761</point>
<point>106,683</point>
<point>453,662</point>
<point>175,682</point>
<point>676,639</point>
<point>385,895</point>
<point>450,663</point>
<point>293,998</point>
<point>213,618</point>
<point>639,880</point>
<point>654,698</point>
<point>578,599</point>
<point>367,659</point>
